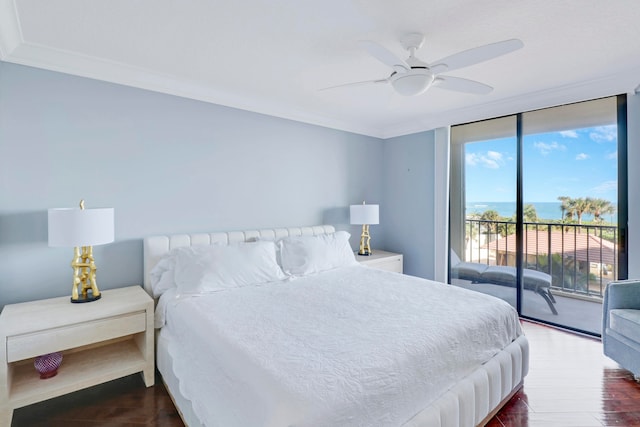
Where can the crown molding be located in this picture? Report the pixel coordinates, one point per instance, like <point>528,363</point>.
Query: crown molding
<point>110,71</point>
<point>14,49</point>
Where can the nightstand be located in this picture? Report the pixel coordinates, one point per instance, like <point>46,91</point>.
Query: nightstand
<point>382,260</point>
<point>100,341</point>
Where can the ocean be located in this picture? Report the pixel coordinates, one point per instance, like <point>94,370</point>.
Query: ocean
<point>544,210</point>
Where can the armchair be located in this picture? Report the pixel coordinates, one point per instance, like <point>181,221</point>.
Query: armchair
<point>621,324</point>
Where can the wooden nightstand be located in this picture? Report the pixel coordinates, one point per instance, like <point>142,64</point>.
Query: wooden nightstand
<point>382,260</point>
<point>100,341</point>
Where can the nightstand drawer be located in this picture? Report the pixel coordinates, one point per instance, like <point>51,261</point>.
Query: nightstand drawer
<point>34,344</point>
<point>390,264</point>
<point>383,260</point>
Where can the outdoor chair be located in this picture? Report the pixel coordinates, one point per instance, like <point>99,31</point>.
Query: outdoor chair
<point>475,272</point>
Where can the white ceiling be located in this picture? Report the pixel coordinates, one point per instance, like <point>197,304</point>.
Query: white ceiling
<point>273,56</point>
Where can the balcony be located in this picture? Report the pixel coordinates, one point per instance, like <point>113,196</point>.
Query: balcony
<point>578,261</point>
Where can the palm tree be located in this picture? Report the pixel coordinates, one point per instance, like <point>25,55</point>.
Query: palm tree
<point>578,207</point>
<point>599,207</point>
<point>491,216</point>
<point>564,205</point>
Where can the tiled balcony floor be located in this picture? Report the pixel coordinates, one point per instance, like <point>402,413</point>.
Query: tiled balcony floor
<point>572,312</point>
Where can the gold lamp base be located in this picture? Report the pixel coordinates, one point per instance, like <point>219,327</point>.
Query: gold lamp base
<point>365,240</point>
<point>84,288</point>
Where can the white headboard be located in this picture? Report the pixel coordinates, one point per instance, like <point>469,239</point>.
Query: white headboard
<point>156,246</point>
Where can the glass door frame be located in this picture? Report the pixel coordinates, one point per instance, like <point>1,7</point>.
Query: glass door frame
<point>622,203</point>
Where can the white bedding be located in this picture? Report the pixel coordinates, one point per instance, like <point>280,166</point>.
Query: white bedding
<point>352,346</point>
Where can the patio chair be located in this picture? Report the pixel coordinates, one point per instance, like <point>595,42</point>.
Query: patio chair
<point>536,281</point>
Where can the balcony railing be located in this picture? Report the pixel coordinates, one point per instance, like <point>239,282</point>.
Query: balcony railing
<point>581,259</point>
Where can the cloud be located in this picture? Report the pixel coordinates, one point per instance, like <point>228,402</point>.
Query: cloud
<point>471,159</point>
<point>494,155</point>
<point>582,156</point>
<point>545,148</point>
<point>491,160</point>
<point>604,133</point>
<point>569,134</point>
<point>612,156</point>
<point>605,187</point>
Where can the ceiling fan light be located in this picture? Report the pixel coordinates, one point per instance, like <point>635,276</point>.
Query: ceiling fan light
<point>411,84</point>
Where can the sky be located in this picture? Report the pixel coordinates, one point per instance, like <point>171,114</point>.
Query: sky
<point>573,163</point>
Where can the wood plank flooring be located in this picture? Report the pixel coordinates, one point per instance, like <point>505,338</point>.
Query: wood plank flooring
<point>570,384</point>
<point>121,403</point>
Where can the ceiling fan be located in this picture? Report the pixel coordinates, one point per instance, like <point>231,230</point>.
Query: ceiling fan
<point>412,76</point>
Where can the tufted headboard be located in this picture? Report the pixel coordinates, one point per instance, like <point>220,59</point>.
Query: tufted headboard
<point>156,246</point>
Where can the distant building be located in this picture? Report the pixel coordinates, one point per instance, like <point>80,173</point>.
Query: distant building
<point>593,254</point>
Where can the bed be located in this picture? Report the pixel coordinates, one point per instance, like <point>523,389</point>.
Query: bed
<point>322,340</point>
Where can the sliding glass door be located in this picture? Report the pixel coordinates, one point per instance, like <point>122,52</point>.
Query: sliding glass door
<point>483,206</point>
<point>538,209</point>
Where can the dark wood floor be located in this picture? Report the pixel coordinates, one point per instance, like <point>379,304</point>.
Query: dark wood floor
<point>570,383</point>
<point>120,403</point>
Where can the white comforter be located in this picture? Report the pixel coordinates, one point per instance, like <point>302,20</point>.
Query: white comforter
<point>349,347</point>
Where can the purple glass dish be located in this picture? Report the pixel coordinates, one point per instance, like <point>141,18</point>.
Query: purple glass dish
<point>47,364</point>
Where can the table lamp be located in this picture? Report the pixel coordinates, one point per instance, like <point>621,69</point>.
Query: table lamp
<point>82,228</point>
<point>364,214</point>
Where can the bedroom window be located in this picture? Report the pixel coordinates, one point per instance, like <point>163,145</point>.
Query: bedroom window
<point>538,209</point>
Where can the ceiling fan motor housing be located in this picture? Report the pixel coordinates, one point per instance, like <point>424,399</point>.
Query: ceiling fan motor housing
<point>413,82</point>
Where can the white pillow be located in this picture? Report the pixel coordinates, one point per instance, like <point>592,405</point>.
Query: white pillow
<point>161,275</point>
<point>303,255</point>
<point>207,269</point>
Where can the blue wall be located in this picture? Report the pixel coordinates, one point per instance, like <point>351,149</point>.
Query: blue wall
<point>169,165</point>
<point>166,164</point>
<point>409,195</point>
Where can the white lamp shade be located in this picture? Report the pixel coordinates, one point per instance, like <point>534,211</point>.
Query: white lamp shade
<point>364,214</point>
<point>80,227</point>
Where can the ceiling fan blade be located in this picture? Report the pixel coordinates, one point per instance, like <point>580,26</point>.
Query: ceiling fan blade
<point>384,55</point>
<point>475,55</point>
<point>366,82</point>
<point>462,85</point>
